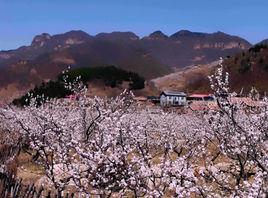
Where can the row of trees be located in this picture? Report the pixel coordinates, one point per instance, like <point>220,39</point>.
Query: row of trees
<point>106,147</point>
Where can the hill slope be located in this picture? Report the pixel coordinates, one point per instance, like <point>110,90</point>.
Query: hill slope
<point>246,69</point>
<point>249,69</point>
<point>190,79</point>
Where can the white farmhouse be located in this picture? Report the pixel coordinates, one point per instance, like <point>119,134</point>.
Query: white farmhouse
<point>172,98</point>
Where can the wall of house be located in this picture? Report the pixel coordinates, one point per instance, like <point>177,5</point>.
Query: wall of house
<point>172,100</point>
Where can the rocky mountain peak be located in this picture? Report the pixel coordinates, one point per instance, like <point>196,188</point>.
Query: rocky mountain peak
<point>183,33</point>
<point>40,40</point>
<point>220,33</point>
<point>117,36</point>
<point>157,35</point>
<point>60,40</point>
<point>77,34</point>
<point>71,38</point>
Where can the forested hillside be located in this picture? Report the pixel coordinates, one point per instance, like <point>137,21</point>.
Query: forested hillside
<point>110,76</point>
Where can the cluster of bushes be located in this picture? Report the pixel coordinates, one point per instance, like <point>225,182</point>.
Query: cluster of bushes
<point>110,75</point>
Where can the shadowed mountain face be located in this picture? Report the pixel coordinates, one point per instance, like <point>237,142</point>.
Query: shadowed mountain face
<point>151,56</point>
<point>249,69</point>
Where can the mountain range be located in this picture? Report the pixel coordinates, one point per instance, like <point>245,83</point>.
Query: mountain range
<point>151,56</point>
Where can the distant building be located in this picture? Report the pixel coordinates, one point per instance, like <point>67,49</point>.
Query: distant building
<point>172,98</point>
<point>202,97</point>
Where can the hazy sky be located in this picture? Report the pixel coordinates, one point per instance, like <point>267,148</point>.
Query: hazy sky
<point>21,20</point>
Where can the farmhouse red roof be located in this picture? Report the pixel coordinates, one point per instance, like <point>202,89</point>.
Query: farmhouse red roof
<point>199,95</point>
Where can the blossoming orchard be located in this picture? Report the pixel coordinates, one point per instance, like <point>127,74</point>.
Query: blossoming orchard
<point>113,147</point>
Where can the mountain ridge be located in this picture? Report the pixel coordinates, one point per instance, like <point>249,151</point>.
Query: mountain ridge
<point>104,35</point>
<point>152,56</point>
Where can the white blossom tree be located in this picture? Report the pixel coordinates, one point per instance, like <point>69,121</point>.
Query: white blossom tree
<point>104,146</point>
<point>241,137</point>
<point>114,147</point>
